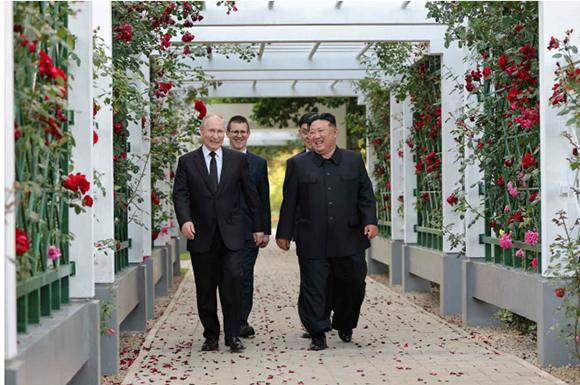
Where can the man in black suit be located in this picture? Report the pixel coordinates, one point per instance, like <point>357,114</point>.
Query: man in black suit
<point>207,205</point>
<point>238,132</point>
<point>338,216</point>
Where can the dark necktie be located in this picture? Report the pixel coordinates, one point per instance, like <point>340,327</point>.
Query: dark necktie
<point>213,176</point>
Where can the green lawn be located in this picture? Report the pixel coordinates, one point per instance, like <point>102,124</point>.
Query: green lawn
<point>184,271</point>
<point>184,257</point>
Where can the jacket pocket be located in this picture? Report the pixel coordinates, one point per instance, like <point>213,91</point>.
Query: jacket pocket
<point>309,179</point>
<point>354,220</point>
<point>348,177</point>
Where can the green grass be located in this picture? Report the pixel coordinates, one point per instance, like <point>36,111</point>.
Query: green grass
<point>184,257</point>
<point>184,271</point>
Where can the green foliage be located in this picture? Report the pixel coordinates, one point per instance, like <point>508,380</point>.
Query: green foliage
<point>515,321</point>
<point>499,125</point>
<point>107,306</point>
<point>566,247</point>
<point>42,143</point>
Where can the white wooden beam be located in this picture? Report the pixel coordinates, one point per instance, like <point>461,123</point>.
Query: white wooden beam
<point>334,83</point>
<point>319,13</point>
<point>321,34</point>
<point>451,63</point>
<point>254,84</point>
<point>270,4</point>
<point>82,284</point>
<point>225,76</point>
<point>294,83</point>
<point>405,4</point>
<point>261,52</point>
<point>555,149</point>
<point>409,177</point>
<point>8,194</point>
<point>314,49</point>
<point>397,167</point>
<point>338,4</point>
<point>282,89</point>
<point>322,61</point>
<point>362,52</point>
<point>103,207</point>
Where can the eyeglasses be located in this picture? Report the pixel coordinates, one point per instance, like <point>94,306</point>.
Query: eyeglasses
<point>239,133</point>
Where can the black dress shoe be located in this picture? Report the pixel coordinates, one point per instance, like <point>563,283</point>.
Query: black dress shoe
<point>210,345</point>
<point>247,331</point>
<point>318,342</point>
<point>235,344</point>
<point>345,335</point>
<point>306,335</point>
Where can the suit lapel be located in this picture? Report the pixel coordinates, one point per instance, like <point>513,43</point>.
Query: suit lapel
<point>202,167</point>
<point>225,169</point>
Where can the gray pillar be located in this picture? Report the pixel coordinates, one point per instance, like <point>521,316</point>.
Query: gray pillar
<point>148,263</point>
<point>550,349</point>
<point>137,319</point>
<point>177,263</point>
<point>90,373</point>
<point>170,256</point>
<point>109,344</point>
<point>162,286</point>
<point>450,300</point>
<point>411,282</point>
<point>374,266</point>
<point>396,268</point>
<point>475,312</point>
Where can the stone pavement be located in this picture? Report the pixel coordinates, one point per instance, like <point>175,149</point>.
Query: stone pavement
<point>395,343</point>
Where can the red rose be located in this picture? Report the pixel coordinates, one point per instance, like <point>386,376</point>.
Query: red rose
<point>16,134</point>
<point>95,137</point>
<point>187,37</point>
<point>554,43</point>
<point>32,47</point>
<point>469,87</point>
<point>560,291</point>
<point>88,201</point>
<point>509,163</point>
<point>154,199</point>
<point>452,199</point>
<point>172,174</point>
<point>123,154</point>
<point>500,181</point>
<point>492,224</point>
<point>77,182</point>
<point>503,63</point>
<point>165,42</point>
<point>575,151</point>
<point>118,245</point>
<point>118,128</point>
<point>518,28</point>
<point>186,51</point>
<point>527,161</point>
<point>209,50</point>
<point>486,72</point>
<point>528,51</point>
<point>143,120</point>
<point>517,216</point>
<point>200,107</point>
<point>533,197</point>
<point>419,167</point>
<point>22,242</point>
<point>155,235</point>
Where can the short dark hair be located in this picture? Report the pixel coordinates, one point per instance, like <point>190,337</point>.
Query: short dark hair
<point>305,119</point>
<point>238,119</point>
<point>324,116</point>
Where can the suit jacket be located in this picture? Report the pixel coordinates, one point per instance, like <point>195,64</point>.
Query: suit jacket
<point>259,174</point>
<point>286,180</point>
<point>336,201</point>
<point>195,202</point>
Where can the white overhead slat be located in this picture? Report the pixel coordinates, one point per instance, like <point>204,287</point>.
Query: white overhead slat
<point>282,89</point>
<point>261,52</point>
<point>314,49</point>
<point>294,83</point>
<point>362,52</point>
<point>334,83</point>
<point>224,76</point>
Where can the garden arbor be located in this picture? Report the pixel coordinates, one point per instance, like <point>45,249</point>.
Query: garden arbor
<point>304,50</point>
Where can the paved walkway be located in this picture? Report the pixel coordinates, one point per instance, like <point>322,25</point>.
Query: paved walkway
<point>395,343</point>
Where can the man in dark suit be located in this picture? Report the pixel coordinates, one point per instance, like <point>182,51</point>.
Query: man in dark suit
<point>238,132</point>
<point>338,216</point>
<point>207,205</point>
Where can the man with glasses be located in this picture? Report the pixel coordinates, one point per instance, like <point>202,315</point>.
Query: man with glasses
<point>334,194</point>
<point>238,132</point>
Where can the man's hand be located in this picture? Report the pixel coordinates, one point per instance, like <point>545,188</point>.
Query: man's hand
<point>284,244</point>
<point>258,238</point>
<point>188,230</point>
<point>265,241</point>
<point>371,231</point>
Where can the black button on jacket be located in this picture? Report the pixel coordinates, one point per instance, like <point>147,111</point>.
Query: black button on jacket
<point>327,229</point>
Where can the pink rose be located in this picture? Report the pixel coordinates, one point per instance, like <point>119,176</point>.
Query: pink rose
<point>532,238</point>
<point>53,252</point>
<point>505,242</point>
<point>164,230</point>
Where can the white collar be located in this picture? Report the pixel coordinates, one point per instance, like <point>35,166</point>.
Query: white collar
<point>206,151</point>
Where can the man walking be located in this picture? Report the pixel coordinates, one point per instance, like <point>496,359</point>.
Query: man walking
<point>333,191</point>
<point>207,205</point>
<point>238,132</point>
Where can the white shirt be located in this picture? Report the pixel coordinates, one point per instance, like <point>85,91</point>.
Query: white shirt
<point>219,158</point>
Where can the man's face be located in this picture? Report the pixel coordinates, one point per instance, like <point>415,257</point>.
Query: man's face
<point>303,132</point>
<point>238,135</point>
<point>322,137</point>
<point>213,133</point>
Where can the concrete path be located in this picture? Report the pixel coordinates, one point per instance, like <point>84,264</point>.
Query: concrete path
<point>395,343</point>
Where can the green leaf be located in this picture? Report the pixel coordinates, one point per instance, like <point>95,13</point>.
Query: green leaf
<point>62,32</point>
